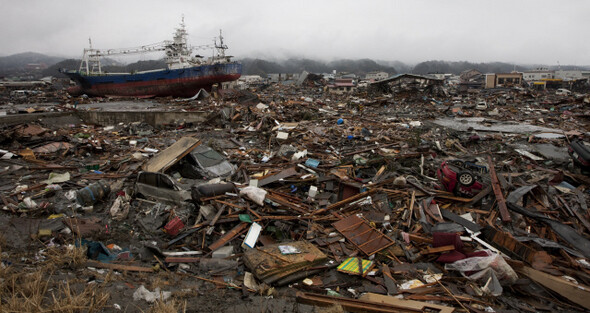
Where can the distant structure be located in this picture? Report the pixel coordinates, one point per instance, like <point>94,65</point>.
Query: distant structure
<point>538,74</point>
<point>469,75</point>
<point>376,76</point>
<point>412,81</point>
<point>36,66</point>
<point>341,86</point>
<point>572,75</point>
<point>497,80</point>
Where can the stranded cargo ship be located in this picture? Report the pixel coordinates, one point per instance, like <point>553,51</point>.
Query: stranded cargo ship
<point>184,76</point>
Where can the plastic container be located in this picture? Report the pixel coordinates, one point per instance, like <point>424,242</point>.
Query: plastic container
<point>174,226</point>
<point>211,190</point>
<point>91,194</point>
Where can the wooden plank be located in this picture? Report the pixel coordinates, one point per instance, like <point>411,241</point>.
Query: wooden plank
<point>220,211</point>
<point>345,201</point>
<point>120,267</point>
<point>407,304</point>
<point>459,220</point>
<point>276,177</point>
<point>430,250</point>
<point>379,172</point>
<point>417,238</point>
<point>273,255</point>
<point>389,281</point>
<point>577,293</point>
<point>168,157</point>
<point>582,201</point>
<point>500,201</point>
<point>228,236</point>
<point>484,192</point>
<point>233,205</point>
<point>182,259</point>
<point>504,242</point>
<point>370,148</point>
<point>299,207</point>
<point>427,297</point>
<point>269,265</point>
<point>103,176</point>
<point>84,227</point>
<point>411,209</point>
<point>366,238</point>
<point>352,305</point>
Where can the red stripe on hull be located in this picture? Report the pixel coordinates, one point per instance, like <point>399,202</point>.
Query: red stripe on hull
<point>181,87</point>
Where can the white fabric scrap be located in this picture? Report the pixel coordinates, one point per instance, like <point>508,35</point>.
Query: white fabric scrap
<point>143,294</point>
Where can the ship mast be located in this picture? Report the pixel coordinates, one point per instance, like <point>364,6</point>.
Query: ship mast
<point>220,47</point>
<point>178,52</point>
<point>90,61</point>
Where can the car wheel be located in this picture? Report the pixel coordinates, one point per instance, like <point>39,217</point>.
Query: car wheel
<point>465,179</point>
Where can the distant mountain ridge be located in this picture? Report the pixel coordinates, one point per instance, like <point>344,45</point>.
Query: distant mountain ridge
<point>442,67</point>
<point>252,66</point>
<point>20,60</point>
<point>359,67</point>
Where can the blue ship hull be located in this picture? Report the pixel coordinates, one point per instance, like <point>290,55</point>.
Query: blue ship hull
<point>185,82</point>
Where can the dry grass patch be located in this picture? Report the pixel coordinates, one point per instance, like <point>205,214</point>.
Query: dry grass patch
<point>36,288</point>
<point>171,306</point>
<point>37,292</point>
<point>22,292</point>
<point>69,256</point>
<point>163,280</point>
<point>91,299</point>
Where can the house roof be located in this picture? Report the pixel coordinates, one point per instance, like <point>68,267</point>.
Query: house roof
<point>343,85</point>
<point>407,75</point>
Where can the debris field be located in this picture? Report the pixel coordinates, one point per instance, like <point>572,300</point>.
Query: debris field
<point>289,199</point>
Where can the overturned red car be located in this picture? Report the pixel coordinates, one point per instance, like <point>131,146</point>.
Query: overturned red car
<point>462,178</point>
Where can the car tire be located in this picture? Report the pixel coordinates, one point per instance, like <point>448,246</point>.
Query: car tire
<point>466,179</point>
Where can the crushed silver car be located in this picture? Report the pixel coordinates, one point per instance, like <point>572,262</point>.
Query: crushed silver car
<point>159,186</point>
<point>203,162</point>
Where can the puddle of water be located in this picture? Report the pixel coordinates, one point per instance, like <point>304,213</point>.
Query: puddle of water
<point>463,124</point>
<point>550,151</point>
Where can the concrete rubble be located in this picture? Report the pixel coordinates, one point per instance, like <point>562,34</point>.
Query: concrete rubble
<point>403,196</point>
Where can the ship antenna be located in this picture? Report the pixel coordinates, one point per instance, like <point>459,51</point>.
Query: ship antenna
<point>221,47</point>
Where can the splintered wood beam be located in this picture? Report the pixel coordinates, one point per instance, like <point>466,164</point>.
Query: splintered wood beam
<point>372,303</point>
<point>180,259</point>
<point>430,250</point>
<point>120,267</point>
<point>346,201</point>
<point>229,236</point>
<point>576,293</point>
<point>500,201</point>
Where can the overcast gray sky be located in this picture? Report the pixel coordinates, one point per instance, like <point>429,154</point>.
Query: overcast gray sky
<point>521,31</point>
